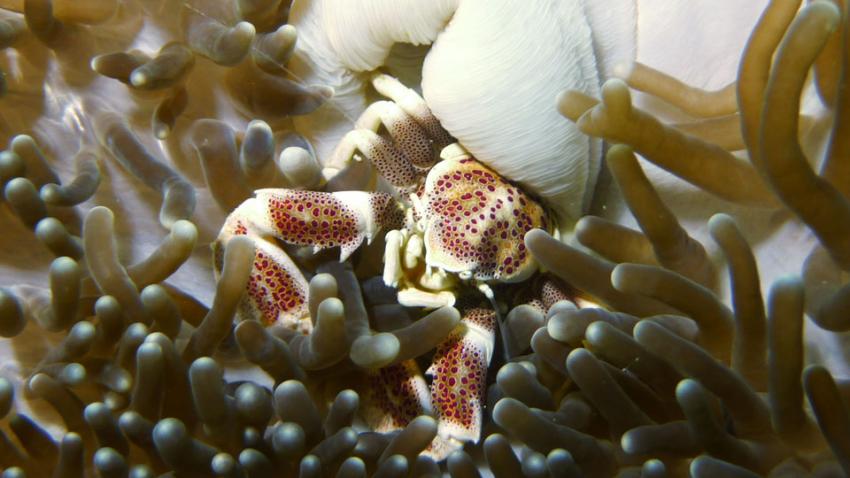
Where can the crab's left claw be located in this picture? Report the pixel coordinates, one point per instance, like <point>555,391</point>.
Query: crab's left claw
<point>459,372</point>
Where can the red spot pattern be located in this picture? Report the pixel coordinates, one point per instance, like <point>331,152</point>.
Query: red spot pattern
<point>554,290</point>
<point>218,256</point>
<point>312,218</point>
<point>543,291</point>
<point>413,143</point>
<point>396,396</point>
<point>392,164</point>
<point>459,369</point>
<point>387,212</point>
<point>274,291</point>
<point>479,219</point>
<point>538,304</point>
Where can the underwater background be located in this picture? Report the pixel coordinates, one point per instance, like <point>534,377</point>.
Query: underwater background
<point>703,333</point>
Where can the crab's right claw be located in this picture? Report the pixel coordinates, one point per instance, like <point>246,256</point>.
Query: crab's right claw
<point>277,290</point>
<point>323,220</point>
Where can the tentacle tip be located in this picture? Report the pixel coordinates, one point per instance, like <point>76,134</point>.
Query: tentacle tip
<point>788,284</point>
<point>687,389</point>
<point>185,229</point>
<point>719,222</point>
<point>628,443</point>
<point>620,276</point>
<point>619,152</point>
<point>830,10</point>
<point>375,351</point>
<point>138,78</point>
<point>245,29</point>
<point>535,236</point>
<point>50,193</point>
<point>21,141</point>
<point>623,70</point>
<point>323,91</point>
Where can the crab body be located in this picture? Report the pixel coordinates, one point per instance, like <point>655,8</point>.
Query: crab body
<point>468,224</point>
<point>476,221</point>
<point>450,225</point>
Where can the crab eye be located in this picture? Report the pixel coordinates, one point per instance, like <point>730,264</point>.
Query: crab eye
<point>477,221</point>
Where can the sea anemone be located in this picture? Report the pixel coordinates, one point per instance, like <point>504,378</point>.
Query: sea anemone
<point>125,359</point>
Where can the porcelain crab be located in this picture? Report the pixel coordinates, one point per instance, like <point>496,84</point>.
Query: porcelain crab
<point>449,224</point>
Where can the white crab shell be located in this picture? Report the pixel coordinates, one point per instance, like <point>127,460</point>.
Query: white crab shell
<point>490,77</point>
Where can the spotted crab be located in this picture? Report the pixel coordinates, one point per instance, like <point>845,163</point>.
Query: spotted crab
<point>450,225</point>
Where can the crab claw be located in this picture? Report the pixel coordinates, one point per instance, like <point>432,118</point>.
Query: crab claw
<point>324,220</point>
<point>277,290</point>
<point>459,371</point>
<point>475,220</point>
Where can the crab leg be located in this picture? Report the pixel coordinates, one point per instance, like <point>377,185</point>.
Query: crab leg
<point>414,136</point>
<point>391,159</point>
<point>459,372</point>
<point>277,291</point>
<point>395,395</point>
<point>414,105</point>
<point>544,291</point>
